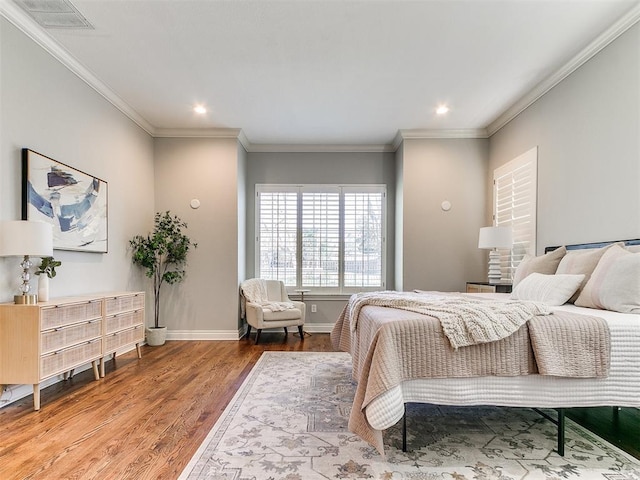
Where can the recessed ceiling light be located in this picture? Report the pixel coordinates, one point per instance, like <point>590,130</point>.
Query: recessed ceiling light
<point>199,109</point>
<point>442,109</point>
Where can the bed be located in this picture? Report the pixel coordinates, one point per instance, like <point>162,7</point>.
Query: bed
<point>381,397</point>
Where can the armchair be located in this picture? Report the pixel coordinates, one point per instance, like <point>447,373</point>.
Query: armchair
<point>267,305</point>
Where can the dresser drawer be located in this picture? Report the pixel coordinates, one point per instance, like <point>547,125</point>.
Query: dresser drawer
<point>62,337</point>
<point>123,303</point>
<point>64,360</point>
<point>116,340</point>
<point>123,321</point>
<point>58,316</point>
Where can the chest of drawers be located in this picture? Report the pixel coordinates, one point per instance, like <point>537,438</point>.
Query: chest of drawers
<point>52,338</point>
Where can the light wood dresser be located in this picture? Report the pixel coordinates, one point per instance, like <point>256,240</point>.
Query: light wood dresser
<point>52,338</point>
<point>123,323</point>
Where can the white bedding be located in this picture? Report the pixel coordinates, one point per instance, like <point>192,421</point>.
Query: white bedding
<point>621,388</point>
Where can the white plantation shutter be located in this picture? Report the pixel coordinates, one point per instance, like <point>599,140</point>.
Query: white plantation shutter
<point>327,238</point>
<point>515,205</point>
<point>277,242</point>
<point>363,238</point>
<point>320,239</point>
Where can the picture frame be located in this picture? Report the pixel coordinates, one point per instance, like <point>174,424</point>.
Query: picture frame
<point>75,203</point>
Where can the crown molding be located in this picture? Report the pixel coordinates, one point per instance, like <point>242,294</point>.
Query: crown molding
<point>627,21</point>
<point>235,133</point>
<point>319,148</point>
<point>26,24</point>
<point>198,133</point>
<point>417,134</point>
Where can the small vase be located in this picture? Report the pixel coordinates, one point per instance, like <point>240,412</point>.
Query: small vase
<point>43,288</point>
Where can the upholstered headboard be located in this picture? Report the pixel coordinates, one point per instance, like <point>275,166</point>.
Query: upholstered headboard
<point>579,246</point>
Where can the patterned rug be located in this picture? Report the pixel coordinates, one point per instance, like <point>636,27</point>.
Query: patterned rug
<point>288,421</point>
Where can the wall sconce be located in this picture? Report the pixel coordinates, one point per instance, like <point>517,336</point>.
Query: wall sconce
<point>22,238</point>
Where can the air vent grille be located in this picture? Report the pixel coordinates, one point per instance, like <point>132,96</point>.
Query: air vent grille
<point>54,14</point>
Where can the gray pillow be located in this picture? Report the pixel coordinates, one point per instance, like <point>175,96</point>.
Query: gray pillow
<point>546,264</point>
<point>582,261</point>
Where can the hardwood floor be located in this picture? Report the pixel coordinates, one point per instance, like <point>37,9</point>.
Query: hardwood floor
<point>144,420</point>
<point>147,417</point>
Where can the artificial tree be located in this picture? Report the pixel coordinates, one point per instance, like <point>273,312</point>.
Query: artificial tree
<point>163,255</point>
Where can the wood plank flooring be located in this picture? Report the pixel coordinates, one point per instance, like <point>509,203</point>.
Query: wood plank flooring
<point>147,417</point>
<point>144,420</point>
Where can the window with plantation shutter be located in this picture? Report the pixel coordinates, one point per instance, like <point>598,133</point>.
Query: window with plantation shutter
<point>320,239</point>
<point>325,238</point>
<point>515,205</point>
<point>278,235</point>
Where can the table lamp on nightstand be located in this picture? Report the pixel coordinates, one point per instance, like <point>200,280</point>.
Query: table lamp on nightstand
<point>493,238</point>
<point>22,238</point>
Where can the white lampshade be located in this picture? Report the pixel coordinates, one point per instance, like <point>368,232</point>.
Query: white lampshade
<point>22,237</point>
<point>495,237</point>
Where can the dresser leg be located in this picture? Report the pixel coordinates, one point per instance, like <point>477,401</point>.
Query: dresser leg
<point>138,350</point>
<point>102,367</point>
<point>36,396</point>
<point>96,374</point>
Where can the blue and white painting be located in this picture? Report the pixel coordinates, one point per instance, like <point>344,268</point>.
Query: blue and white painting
<point>74,202</point>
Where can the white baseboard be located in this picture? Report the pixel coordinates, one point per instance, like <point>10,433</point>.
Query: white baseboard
<point>203,335</point>
<point>318,327</point>
<point>238,334</point>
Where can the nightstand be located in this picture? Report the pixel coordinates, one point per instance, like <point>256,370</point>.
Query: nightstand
<point>486,287</point>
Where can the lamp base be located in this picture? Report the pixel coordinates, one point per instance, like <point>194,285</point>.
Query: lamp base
<point>25,299</point>
<point>495,274</point>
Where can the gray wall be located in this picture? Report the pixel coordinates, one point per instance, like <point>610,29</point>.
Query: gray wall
<point>439,248</point>
<point>587,129</point>
<point>321,168</point>
<point>45,107</point>
<point>205,305</point>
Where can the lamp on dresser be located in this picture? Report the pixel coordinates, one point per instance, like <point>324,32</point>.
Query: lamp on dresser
<point>493,238</point>
<point>23,238</point>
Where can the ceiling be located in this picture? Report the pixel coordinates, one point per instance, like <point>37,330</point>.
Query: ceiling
<point>331,72</point>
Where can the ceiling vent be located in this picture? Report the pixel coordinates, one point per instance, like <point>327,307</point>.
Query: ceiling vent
<point>54,14</point>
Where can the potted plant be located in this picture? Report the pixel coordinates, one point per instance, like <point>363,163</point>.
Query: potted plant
<point>46,270</point>
<point>163,255</point>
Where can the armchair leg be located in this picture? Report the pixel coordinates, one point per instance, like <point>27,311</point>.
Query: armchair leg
<point>285,331</point>
<point>258,335</point>
<point>248,330</point>
<point>301,332</point>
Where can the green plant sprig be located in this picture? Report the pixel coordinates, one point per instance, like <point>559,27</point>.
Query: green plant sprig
<point>48,267</point>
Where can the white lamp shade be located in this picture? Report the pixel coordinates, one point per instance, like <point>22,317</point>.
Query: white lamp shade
<point>22,237</point>
<point>495,237</point>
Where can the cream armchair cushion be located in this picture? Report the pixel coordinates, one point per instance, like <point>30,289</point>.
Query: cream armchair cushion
<point>266,305</point>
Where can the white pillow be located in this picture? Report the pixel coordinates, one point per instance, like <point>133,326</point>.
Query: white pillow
<point>547,289</point>
<point>615,283</point>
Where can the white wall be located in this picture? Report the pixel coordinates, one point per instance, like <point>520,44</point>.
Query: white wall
<point>205,304</point>
<point>45,107</point>
<point>587,129</point>
<point>440,248</point>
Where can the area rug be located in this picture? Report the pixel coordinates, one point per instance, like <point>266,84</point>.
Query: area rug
<point>288,421</point>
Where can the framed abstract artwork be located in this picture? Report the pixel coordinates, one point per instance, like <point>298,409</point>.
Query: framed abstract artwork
<point>73,202</point>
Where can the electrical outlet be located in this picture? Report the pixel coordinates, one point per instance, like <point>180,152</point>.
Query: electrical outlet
<point>314,308</point>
